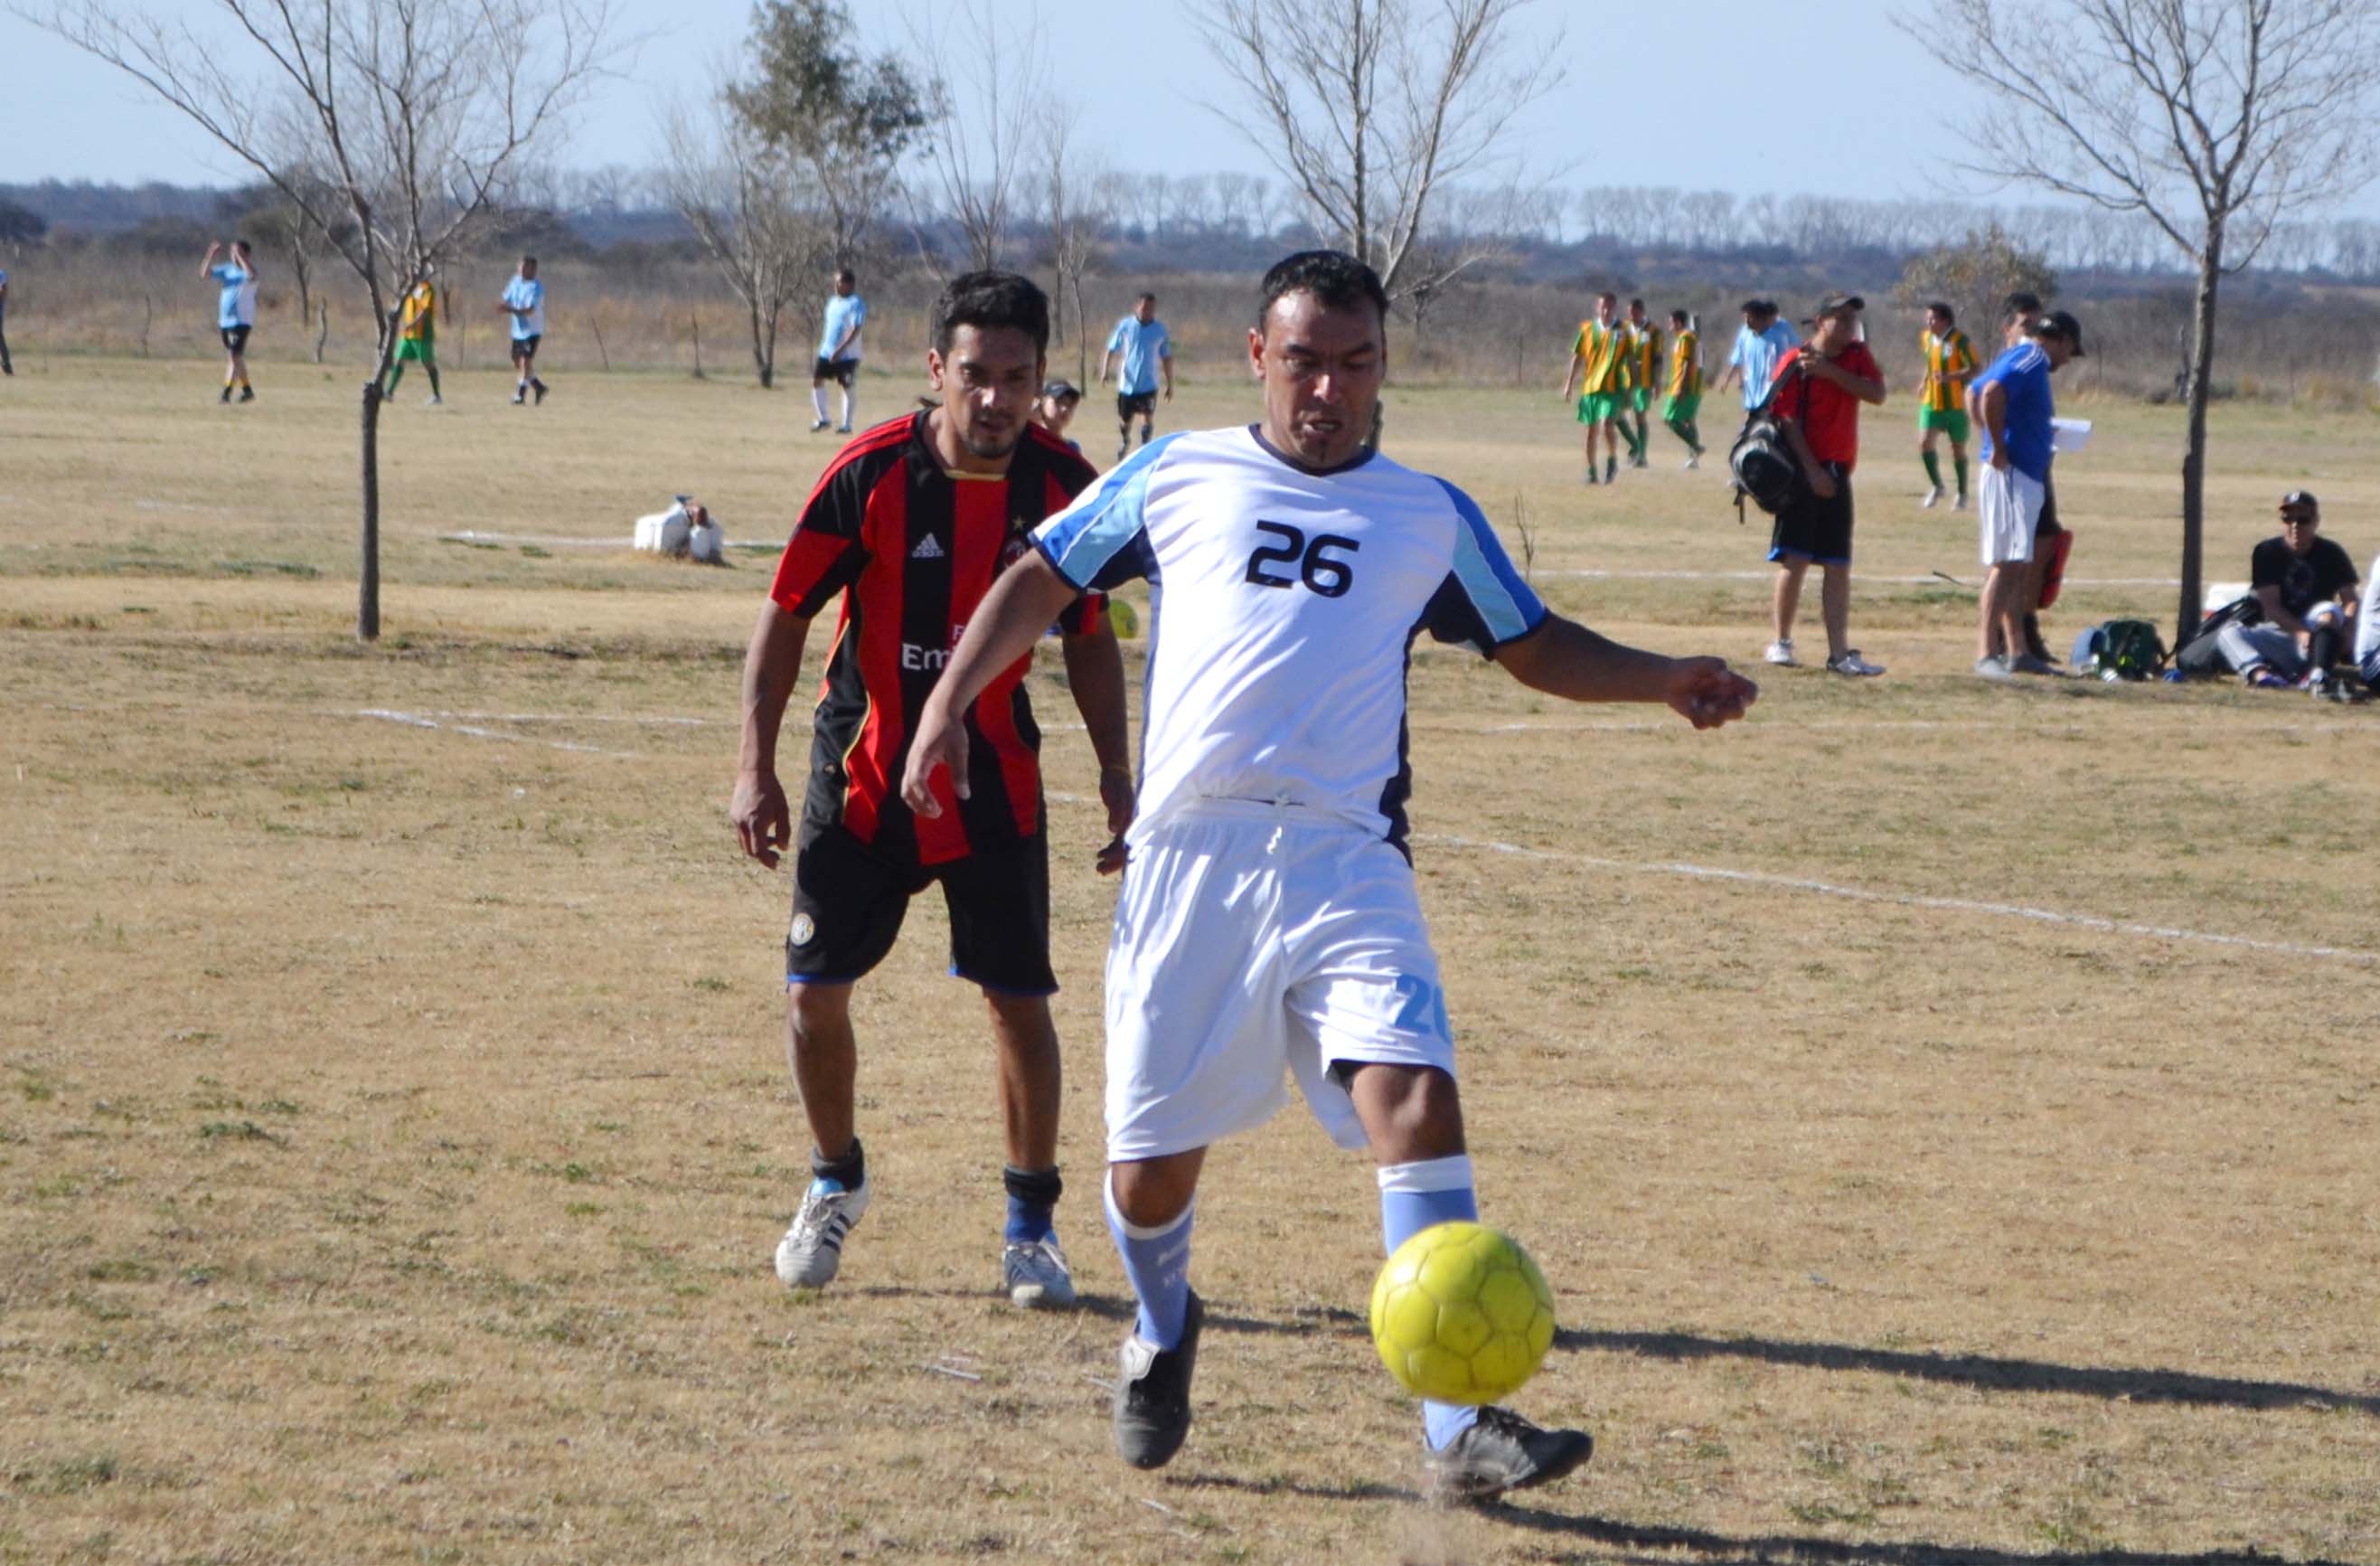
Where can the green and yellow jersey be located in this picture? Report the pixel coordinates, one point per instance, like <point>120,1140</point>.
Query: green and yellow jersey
<point>1602,349</point>
<point>1949,361</point>
<point>419,321</point>
<point>1685,365</point>
<point>1644,355</point>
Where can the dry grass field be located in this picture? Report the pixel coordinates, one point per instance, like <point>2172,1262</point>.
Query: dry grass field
<point>1950,1114</point>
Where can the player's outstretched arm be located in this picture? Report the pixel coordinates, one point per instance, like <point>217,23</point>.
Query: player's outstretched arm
<point>1028,596</point>
<point>1095,675</point>
<point>1563,658</point>
<point>772,665</point>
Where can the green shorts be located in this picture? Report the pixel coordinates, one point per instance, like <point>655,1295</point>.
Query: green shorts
<point>1953,419</point>
<point>421,350</point>
<point>1640,397</point>
<point>1598,407</point>
<point>1681,410</point>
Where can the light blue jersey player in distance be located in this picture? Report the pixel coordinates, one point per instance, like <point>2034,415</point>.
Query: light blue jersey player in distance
<point>235,312</point>
<point>524,300</point>
<point>1290,570</point>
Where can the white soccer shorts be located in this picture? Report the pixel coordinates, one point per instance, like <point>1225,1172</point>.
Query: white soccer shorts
<point>1254,941</point>
<point>2007,508</point>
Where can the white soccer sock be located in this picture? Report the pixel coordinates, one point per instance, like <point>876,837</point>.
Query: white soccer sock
<point>818,401</point>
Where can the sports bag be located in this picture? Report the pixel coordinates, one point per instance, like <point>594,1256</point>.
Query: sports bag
<point>1762,459</point>
<point>2203,653</point>
<point>2119,649</point>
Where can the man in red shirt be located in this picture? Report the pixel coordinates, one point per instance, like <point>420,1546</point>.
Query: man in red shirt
<point>1819,387</point>
<point>908,527</point>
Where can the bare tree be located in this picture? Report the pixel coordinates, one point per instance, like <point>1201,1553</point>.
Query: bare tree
<point>983,104</point>
<point>1074,213</point>
<point>1368,107</point>
<point>395,125</point>
<point>736,195</point>
<point>2212,119</point>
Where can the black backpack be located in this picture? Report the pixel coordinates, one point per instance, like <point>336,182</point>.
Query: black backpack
<point>2203,653</point>
<point>1762,459</point>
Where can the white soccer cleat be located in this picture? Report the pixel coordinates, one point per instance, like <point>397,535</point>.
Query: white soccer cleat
<point>1931,498</point>
<point>1694,462</point>
<point>812,1249</point>
<point>1851,664</point>
<point>1780,652</point>
<point>1959,504</point>
<point>1036,1275</point>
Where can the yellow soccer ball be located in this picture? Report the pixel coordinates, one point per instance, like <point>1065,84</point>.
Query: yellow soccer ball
<point>1124,617</point>
<point>1462,1314</point>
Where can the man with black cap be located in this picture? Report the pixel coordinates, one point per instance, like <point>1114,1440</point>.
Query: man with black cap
<point>1819,387</point>
<point>2011,401</point>
<point>2305,584</point>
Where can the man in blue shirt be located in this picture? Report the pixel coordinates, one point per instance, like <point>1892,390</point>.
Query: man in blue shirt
<point>524,300</point>
<point>1148,351</point>
<point>1760,341</point>
<point>2010,402</point>
<point>838,349</point>
<point>235,313</point>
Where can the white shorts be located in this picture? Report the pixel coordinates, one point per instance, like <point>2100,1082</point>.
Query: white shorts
<point>1254,941</point>
<point>2008,504</point>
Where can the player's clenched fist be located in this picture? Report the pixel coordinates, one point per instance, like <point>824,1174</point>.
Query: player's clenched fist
<point>764,826</point>
<point>941,742</point>
<point>1706,693</point>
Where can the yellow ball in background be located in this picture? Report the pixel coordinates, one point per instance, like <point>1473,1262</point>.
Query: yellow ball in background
<point>1124,617</point>
<point>1462,1314</point>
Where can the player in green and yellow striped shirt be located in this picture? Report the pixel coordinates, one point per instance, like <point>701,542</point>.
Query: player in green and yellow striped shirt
<point>1598,367</point>
<point>1644,344</point>
<point>1942,401</point>
<point>1683,398</point>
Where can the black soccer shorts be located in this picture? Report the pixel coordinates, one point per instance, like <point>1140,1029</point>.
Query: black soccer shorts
<point>849,902</point>
<point>1130,403</point>
<point>839,370</point>
<point>235,338</point>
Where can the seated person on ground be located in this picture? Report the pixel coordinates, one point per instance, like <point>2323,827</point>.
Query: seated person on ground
<point>2305,584</point>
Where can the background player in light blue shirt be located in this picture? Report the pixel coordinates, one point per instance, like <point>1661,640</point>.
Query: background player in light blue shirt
<point>1760,341</point>
<point>1297,566</point>
<point>524,300</point>
<point>1147,351</point>
<point>235,313</point>
<point>838,349</point>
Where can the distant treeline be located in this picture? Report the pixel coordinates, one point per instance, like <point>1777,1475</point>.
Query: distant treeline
<point>1236,223</point>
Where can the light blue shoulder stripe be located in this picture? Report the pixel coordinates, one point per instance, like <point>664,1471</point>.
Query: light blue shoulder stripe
<point>1104,519</point>
<point>1507,605</point>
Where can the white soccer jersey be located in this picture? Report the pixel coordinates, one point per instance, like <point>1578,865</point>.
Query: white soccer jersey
<point>1285,604</point>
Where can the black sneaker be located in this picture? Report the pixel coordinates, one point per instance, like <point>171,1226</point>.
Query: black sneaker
<point>248,394</point>
<point>819,426</point>
<point>1505,1451</point>
<point>539,387</point>
<point>1152,1400</point>
<point>226,396</point>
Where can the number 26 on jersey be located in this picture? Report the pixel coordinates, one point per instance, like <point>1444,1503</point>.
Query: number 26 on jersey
<point>1311,561</point>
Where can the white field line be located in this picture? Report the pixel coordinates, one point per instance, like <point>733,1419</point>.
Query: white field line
<point>1908,900</point>
<point>419,720</point>
<point>1592,574</point>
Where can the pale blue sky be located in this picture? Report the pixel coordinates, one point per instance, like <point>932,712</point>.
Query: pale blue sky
<point>1722,94</point>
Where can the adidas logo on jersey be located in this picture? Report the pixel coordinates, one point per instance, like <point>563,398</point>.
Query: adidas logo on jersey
<point>928,549</point>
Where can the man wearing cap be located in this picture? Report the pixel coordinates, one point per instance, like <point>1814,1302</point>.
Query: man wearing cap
<point>1817,391</point>
<point>1054,409</point>
<point>2017,312</point>
<point>2305,584</point>
<point>2011,401</point>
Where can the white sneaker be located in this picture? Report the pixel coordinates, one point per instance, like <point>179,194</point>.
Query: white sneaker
<point>1959,505</point>
<point>1850,662</point>
<point>433,400</point>
<point>1994,667</point>
<point>1931,498</point>
<point>1036,1275</point>
<point>812,1249</point>
<point>1694,461</point>
<point>1780,652</point>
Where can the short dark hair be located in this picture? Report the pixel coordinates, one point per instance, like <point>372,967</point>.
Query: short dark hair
<point>1145,299</point>
<point>241,245</point>
<point>1944,312</point>
<point>529,261</point>
<point>2022,302</point>
<point>986,301</point>
<point>1335,279</point>
<point>844,275</point>
<point>1635,304</point>
<point>1607,294</point>
<point>1751,307</point>
<point>1678,318</point>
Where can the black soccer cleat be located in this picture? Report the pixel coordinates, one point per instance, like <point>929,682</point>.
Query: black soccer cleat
<point>1503,1452</point>
<point>1152,1400</point>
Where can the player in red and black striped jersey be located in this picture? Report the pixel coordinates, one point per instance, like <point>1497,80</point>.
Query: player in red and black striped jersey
<point>908,527</point>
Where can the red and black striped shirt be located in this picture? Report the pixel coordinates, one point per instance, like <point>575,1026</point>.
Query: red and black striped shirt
<point>912,548</point>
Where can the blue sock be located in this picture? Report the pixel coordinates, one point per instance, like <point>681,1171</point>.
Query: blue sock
<point>1032,1200</point>
<point>1415,1197</point>
<point>1157,1260</point>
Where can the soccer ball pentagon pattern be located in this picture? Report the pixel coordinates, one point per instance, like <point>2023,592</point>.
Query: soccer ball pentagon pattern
<point>1462,1314</point>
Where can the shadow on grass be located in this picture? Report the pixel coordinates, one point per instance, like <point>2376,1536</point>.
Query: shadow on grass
<point>1350,1490</point>
<point>1983,1371</point>
<point>1720,1549</point>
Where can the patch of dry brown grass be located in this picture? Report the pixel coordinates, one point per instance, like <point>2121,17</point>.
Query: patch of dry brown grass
<point>394,1129</point>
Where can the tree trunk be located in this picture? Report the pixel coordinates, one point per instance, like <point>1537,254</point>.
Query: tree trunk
<point>759,343</point>
<point>368,576</point>
<point>2194,451</point>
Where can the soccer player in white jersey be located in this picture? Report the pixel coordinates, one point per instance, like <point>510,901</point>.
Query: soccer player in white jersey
<point>1269,921</point>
